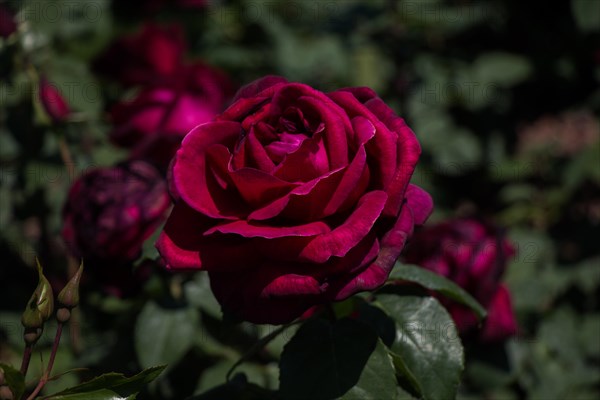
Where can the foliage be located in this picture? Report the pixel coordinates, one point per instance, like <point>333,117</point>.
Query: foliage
<point>504,98</point>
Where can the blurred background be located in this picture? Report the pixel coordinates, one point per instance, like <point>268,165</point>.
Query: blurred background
<point>503,95</point>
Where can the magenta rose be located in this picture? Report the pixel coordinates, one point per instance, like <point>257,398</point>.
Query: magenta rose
<point>111,211</point>
<point>153,55</point>
<point>154,122</point>
<point>293,198</point>
<point>53,102</point>
<point>474,255</point>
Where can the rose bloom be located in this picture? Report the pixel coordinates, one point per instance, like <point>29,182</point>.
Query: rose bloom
<point>53,102</point>
<point>154,122</point>
<point>152,55</point>
<point>111,211</point>
<point>473,255</point>
<point>293,198</point>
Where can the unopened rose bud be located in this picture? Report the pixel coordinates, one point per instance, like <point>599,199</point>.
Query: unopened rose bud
<point>54,103</point>
<point>6,393</point>
<point>69,296</point>
<point>32,318</point>
<point>41,305</point>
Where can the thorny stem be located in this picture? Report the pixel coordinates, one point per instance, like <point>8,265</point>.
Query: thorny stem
<point>45,377</point>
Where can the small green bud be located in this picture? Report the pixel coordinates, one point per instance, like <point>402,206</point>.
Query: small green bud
<point>41,305</point>
<point>6,393</point>
<point>69,296</point>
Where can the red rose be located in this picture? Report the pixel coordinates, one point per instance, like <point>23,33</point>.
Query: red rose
<point>153,55</point>
<point>55,105</point>
<point>474,255</point>
<point>111,211</point>
<point>154,122</point>
<point>293,198</point>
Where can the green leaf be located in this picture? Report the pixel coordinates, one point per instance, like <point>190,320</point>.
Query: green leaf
<point>433,281</point>
<point>111,386</point>
<point>501,69</point>
<point>237,388</point>
<point>163,336</point>
<point>378,379</point>
<point>427,350</point>
<point>587,14</point>
<point>199,294</point>
<point>325,360</point>
<point>14,379</point>
<point>216,375</point>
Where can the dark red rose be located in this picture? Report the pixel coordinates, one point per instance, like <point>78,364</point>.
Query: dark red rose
<point>293,198</point>
<point>154,122</point>
<point>111,211</point>
<point>53,102</point>
<point>153,55</point>
<point>474,255</point>
<point>7,22</point>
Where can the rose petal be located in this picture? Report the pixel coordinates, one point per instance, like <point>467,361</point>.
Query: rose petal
<point>343,238</point>
<point>247,229</point>
<point>180,241</point>
<point>310,161</point>
<point>362,93</point>
<point>258,86</point>
<point>501,322</point>
<point>382,148</point>
<point>391,246</point>
<point>272,293</point>
<point>335,136</point>
<point>420,202</point>
<point>259,188</point>
<point>183,245</point>
<point>190,177</point>
<point>252,154</point>
<point>408,152</point>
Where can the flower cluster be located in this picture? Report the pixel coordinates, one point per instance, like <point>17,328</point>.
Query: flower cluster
<point>172,98</point>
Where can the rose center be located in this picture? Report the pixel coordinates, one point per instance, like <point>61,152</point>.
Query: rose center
<point>289,131</point>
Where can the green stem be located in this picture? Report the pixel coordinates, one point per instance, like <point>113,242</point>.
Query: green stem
<point>258,346</point>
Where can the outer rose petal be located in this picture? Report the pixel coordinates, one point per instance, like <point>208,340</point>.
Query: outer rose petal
<point>501,322</point>
<point>183,245</point>
<point>420,203</point>
<point>342,239</point>
<point>180,241</point>
<point>254,88</point>
<point>272,293</point>
<point>189,168</point>
<point>376,274</point>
